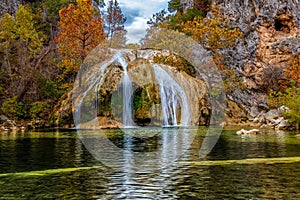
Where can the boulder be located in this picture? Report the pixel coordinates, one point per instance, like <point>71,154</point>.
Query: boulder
<point>3,118</point>
<point>283,109</point>
<point>254,111</point>
<point>283,124</point>
<point>272,114</point>
<point>248,132</point>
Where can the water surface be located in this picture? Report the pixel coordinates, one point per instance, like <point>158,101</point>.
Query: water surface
<point>56,165</point>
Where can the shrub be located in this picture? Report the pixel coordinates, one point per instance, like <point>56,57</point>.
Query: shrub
<point>291,99</point>
<point>12,108</point>
<point>175,61</point>
<point>39,109</point>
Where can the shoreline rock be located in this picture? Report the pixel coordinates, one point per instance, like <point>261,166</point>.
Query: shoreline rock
<point>248,132</point>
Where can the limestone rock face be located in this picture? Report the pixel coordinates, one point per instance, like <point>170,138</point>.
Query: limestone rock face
<point>272,35</point>
<point>103,85</point>
<point>142,74</point>
<point>62,117</point>
<point>271,30</point>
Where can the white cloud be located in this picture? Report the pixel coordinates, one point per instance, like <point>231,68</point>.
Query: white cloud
<point>139,12</point>
<point>146,8</point>
<point>136,30</point>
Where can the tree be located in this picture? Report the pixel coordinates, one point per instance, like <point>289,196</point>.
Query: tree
<point>81,30</point>
<point>175,6</point>
<point>159,19</point>
<point>21,44</point>
<point>114,18</point>
<point>186,11</point>
<point>203,5</point>
<point>290,98</point>
<point>214,33</point>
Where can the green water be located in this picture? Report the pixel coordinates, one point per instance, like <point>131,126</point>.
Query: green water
<point>57,165</point>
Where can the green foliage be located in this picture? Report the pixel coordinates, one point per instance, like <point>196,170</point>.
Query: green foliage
<point>290,99</point>
<point>175,5</point>
<point>179,18</point>
<point>39,109</point>
<point>198,9</point>
<point>49,89</point>
<point>141,100</point>
<point>26,29</point>
<point>12,108</point>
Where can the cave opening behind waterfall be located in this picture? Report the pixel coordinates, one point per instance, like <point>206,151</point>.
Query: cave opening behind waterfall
<point>148,109</point>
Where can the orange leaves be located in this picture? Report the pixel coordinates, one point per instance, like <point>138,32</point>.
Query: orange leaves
<point>114,18</point>
<point>80,30</point>
<point>293,70</point>
<point>215,33</point>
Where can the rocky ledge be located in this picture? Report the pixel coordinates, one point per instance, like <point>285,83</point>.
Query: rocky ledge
<point>7,124</point>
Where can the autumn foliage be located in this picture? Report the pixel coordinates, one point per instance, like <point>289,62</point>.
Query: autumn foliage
<point>214,33</point>
<point>114,18</point>
<point>293,70</point>
<point>81,30</point>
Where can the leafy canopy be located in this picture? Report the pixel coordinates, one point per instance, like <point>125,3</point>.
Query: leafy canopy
<point>81,30</point>
<point>214,33</point>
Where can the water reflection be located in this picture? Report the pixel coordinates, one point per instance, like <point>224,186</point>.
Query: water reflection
<point>139,148</point>
<point>148,176</point>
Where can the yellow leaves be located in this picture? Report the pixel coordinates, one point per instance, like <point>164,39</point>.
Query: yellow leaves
<point>215,33</point>
<point>23,28</point>
<point>7,26</point>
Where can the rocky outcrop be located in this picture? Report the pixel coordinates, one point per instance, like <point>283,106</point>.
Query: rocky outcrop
<point>271,31</point>
<point>263,119</point>
<point>9,6</point>
<point>103,86</point>
<point>7,124</point>
<point>62,115</point>
<point>271,119</point>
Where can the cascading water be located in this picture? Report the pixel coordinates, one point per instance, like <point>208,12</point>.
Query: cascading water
<point>174,102</point>
<point>127,116</point>
<point>172,97</point>
<point>94,80</point>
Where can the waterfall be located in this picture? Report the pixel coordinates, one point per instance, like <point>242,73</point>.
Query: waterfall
<point>173,99</point>
<point>174,102</point>
<point>127,116</point>
<point>93,82</point>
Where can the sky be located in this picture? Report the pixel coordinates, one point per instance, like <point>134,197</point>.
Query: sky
<point>138,12</point>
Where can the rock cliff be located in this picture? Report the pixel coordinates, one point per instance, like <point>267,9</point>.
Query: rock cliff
<point>271,40</point>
